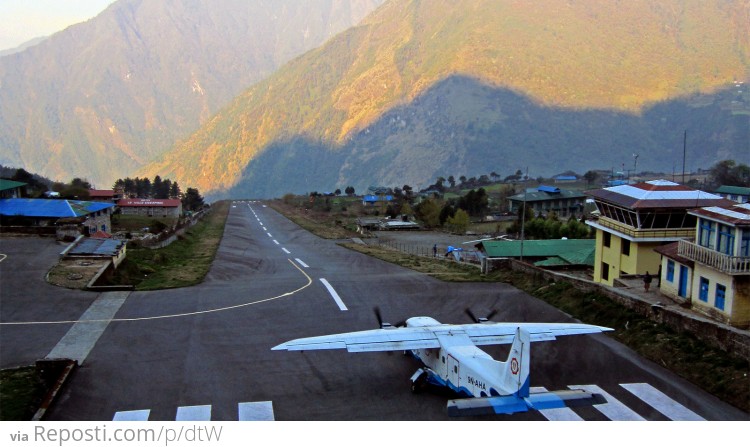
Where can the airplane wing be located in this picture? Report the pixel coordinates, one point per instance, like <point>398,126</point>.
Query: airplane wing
<point>502,333</point>
<point>425,337</point>
<point>392,339</point>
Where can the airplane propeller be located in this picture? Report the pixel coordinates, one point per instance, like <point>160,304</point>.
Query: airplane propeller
<point>480,319</point>
<point>384,325</point>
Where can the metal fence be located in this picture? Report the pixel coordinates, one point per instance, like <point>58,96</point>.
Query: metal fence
<point>467,256</point>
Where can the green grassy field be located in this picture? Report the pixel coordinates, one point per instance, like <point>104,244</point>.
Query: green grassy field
<point>183,263</point>
<point>133,223</point>
<point>21,392</point>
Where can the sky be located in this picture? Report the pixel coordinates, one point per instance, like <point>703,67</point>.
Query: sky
<point>23,20</point>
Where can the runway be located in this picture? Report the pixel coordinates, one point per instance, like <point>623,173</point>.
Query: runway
<point>204,352</point>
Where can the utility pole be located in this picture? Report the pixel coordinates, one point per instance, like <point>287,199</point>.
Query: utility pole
<point>523,214</point>
<point>684,150</point>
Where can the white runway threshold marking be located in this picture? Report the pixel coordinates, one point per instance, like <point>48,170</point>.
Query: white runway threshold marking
<point>556,414</point>
<point>246,411</point>
<point>255,411</point>
<point>613,409</point>
<point>194,413</point>
<point>132,416</point>
<point>299,261</point>
<point>333,293</point>
<point>661,402</point>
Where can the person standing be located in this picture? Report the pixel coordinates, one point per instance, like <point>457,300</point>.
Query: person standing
<point>434,251</point>
<point>647,281</point>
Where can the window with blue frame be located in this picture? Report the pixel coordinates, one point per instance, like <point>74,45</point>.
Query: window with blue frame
<point>670,270</point>
<point>721,292</point>
<point>745,243</point>
<point>725,242</point>
<point>703,291</point>
<point>705,235</point>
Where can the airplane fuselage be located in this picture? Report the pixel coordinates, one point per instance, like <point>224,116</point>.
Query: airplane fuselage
<point>458,364</point>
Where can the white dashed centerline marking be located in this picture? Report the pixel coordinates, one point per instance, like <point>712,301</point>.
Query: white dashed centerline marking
<point>299,261</point>
<point>286,251</point>
<point>269,234</point>
<point>333,293</point>
<point>276,242</point>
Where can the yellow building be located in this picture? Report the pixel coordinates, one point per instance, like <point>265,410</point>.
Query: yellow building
<point>720,254</point>
<point>636,219</point>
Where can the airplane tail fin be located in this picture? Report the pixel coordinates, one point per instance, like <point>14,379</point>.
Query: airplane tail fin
<point>515,372</point>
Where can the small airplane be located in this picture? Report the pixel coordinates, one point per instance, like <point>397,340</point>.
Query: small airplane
<point>451,358</point>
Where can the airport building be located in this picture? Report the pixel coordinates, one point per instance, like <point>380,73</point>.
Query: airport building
<point>151,207</point>
<point>634,220</point>
<point>547,199</point>
<point>712,270</point>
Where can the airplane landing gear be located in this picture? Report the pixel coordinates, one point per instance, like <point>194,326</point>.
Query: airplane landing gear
<point>418,381</point>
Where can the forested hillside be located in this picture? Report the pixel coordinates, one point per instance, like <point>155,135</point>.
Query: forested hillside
<point>102,98</point>
<point>421,89</point>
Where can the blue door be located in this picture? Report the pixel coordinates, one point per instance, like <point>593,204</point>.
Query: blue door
<point>682,286</point>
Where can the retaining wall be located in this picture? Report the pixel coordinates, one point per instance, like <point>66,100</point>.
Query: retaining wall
<point>723,336</point>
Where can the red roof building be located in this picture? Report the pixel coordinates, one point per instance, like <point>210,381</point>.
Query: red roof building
<point>103,195</point>
<point>151,207</point>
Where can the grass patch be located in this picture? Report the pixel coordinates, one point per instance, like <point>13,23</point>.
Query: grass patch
<point>136,223</point>
<point>327,224</point>
<point>183,263</point>
<point>447,270</point>
<point>22,391</point>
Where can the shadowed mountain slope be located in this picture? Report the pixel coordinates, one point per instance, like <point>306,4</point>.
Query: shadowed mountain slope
<point>463,126</point>
<point>533,84</point>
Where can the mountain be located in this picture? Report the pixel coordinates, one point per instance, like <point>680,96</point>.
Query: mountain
<point>426,88</point>
<point>102,98</point>
<point>463,126</point>
<point>23,46</point>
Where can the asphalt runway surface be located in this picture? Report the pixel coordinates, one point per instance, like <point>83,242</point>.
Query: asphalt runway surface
<point>205,351</point>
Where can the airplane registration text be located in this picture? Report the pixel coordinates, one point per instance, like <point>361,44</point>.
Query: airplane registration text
<point>477,383</point>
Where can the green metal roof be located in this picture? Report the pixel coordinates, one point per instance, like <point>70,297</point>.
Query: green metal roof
<point>580,257</point>
<point>570,249</point>
<point>737,190</point>
<point>9,184</point>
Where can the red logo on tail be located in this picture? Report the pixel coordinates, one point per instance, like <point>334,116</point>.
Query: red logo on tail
<point>514,366</point>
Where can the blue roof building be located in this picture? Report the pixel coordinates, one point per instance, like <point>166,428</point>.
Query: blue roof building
<point>94,216</point>
<point>50,208</point>
<point>371,199</point>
